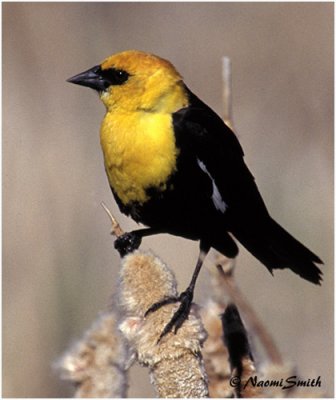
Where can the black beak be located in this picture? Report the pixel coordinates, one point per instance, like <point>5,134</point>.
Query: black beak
<point>91,78</point>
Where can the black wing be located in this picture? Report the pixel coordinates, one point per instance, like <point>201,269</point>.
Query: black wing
<point>202,133</point>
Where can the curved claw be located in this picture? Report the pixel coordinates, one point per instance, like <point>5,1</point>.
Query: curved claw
<point>180,315</point>
<point>159,304</point>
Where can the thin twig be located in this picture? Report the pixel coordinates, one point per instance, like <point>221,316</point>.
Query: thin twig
<point>227,91</point>
<point>115,228</point>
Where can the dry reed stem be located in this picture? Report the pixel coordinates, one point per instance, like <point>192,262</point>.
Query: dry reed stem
<point>227,91</point>
<point>96,363</point>
<point>115,227</point>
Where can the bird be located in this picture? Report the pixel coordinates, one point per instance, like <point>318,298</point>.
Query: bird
<point>174,166</point>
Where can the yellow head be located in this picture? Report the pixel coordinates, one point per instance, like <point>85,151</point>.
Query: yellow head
<point>136,81</point>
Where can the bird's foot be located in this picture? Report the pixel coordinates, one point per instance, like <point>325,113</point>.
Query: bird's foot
<point>127,243</point>
<point>181,313</point>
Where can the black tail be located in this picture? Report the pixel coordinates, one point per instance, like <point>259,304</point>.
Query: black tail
<point>277,249</point>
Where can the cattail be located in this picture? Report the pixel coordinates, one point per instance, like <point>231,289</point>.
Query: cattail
<point>174,361</point>
<point>96,363</point>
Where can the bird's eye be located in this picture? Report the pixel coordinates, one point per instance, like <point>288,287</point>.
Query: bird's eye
<point>115,76</point>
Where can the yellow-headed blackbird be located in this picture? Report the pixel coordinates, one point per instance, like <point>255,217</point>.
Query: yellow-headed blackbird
<point>174,166</point>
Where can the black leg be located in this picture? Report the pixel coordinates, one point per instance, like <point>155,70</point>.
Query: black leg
<point>130,241</point>
<point>185,297</point>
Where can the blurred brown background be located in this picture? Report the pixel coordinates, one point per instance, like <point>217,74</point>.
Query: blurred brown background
<point>59,265</point>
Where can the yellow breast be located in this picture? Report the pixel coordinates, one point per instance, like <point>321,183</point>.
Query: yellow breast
<point>139,152</point>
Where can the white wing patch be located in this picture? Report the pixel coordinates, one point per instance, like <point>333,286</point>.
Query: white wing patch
<point>217,200</point>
